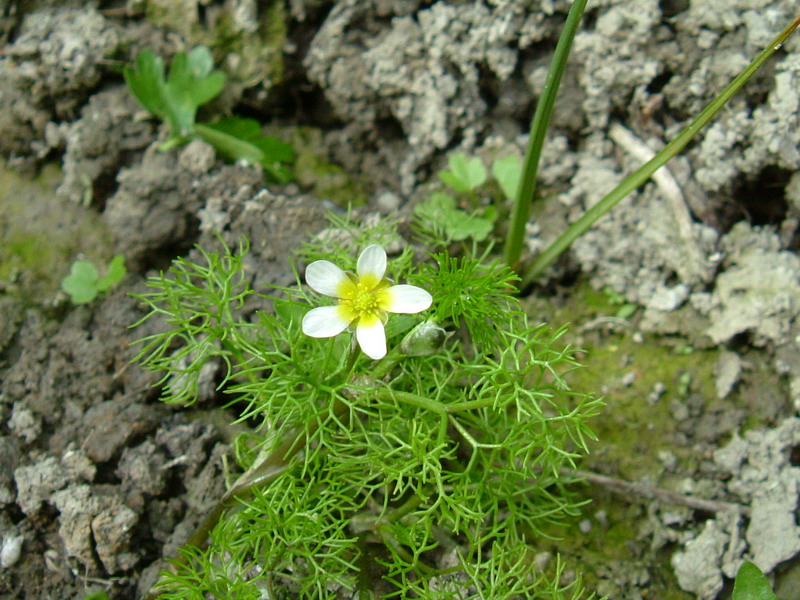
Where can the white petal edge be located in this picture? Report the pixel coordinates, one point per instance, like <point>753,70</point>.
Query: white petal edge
<point>325,277</point>
<point>407,299</point>
<point>324,322</point>
<point>372,339</point>
<point>372,260</point>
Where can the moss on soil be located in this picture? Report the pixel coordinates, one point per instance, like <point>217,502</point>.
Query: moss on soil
<point>42,235</point>
<point>253,56</point>
<point>325,179</point>
<point>634,428</point>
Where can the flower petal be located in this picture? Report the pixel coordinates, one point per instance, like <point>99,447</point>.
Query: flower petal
<point>373,262</point>
<point>325,321</point>
<point>371,337</point>
<point>326,278</point>
<point>406,299</point>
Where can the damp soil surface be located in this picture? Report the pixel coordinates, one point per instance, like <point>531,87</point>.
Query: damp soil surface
<point>685,299</point>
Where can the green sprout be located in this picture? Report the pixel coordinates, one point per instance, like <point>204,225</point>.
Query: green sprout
<point>176,97</point>
<point>451,224</point>
<point>440,214</point>
<point>751,584</point>
<point>191,83</point>
<point>84,282</point>
<point>465,174</point>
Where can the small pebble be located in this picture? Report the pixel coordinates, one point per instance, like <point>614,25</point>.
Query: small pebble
<point>11,550</point>
<point>658,390</point>
<point>388,203</point>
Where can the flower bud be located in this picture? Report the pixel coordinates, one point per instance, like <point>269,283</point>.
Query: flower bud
<point>425,339</point>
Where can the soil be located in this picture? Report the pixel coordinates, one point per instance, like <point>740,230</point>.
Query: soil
<point>686,297</point>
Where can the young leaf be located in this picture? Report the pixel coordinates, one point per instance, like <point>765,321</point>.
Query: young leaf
<point>465,174</point>
<point>241,139</point>
<point>751,584</point>
<point>81,283</point>
<point>190,84</point>
<point>439,213</point>
<point>146,82</point>
<point>507,171</point>
<point>116,271</point>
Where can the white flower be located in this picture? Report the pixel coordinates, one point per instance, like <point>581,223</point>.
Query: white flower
<point>364,299</point>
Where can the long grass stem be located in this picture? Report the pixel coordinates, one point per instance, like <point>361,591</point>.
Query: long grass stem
<point>643,173</point>
<point>539,125</point>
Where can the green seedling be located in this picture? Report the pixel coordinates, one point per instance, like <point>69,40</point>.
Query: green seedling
<point>624,309</point>
<point>84,282</point>
<point>440,215</point>
<point>465,174</point>
<point>192,82</point>
<point>751,584</point>
<point>241,139</point>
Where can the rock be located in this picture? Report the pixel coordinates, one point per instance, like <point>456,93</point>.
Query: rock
<point>758,291</point>
<point>95,523</point>
<point>109,426</point>
<point>10,550</point>
<point>697,567</point>
<point>24,423</point>
<point>197,157</point>
<point>143,474</point>
<point>112,533</point>
<point>727,371</point>
<point>763,473</point>
<point>96,142</point>
<point>9,459</point>
<point>77,506</point>
<point>36,483</point>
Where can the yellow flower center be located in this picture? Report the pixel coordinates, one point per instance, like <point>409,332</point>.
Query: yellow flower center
<point>363,299</point>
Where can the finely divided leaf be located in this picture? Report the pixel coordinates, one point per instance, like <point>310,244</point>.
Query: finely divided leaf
<point>439,213</point>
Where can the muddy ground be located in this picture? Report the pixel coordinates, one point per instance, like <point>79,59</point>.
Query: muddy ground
<point>686,298</point>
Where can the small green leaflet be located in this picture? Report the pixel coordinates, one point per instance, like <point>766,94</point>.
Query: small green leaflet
<point>507,171</point>
<point>439,213</point>
<point>465,174</point>
<point>84,281</point>
<point>191,83</point>
<point>751,584</point>
<point>237,138</point>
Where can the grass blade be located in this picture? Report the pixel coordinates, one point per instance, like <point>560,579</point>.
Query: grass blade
<point>643,173</point>
<point>539,125</point>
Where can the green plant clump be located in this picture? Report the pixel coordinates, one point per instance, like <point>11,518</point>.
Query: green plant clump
<point>429,471</point>
<point>84,281</point>
<point>176,97</point>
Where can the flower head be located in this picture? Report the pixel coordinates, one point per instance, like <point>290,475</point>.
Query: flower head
<point>364,300</point>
